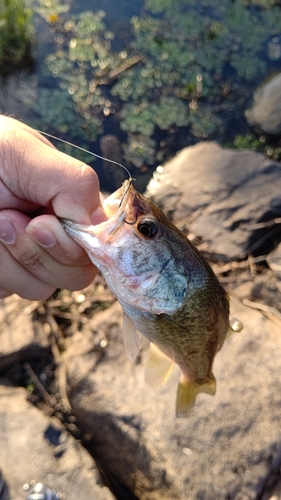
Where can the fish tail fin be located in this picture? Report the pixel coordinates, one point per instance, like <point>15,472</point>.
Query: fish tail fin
<point>187,392</point>
<point>158,367</point>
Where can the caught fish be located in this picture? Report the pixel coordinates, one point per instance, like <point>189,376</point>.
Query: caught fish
<point>166,288</point>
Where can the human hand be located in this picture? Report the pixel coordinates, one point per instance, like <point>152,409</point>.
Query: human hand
<point>38,184</point>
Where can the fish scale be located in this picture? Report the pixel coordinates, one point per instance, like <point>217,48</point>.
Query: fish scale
<point>166,288</point>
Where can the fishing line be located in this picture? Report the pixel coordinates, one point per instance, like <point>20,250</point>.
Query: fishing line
<point>88,152</point>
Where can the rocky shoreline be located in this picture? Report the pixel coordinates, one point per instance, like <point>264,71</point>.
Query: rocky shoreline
<point>75,412</point>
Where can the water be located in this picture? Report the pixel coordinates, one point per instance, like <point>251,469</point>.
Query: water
<point>147,111</point>
<point>118,16</point>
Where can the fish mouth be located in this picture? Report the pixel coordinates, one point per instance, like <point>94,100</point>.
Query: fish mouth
<point>116,247</point>
<point>123,206</point>
<point>114,207</point>
<point>118,200</point>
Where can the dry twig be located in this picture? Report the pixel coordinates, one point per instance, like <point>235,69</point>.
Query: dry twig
<point>56,338</point>
<point>268,311</point>
<point>46,396</point>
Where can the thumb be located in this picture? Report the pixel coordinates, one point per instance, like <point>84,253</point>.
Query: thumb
<point>34,171</point>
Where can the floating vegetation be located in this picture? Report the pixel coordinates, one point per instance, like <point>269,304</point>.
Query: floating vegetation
<point>205,123</point>
<point>210,36</point>
<point>83,60</point>
<point>56,110</point>
<point>144,118</point>
<point>140,151</point>
<point>197,56</point>
<point>16,34</point>
<point>137,118</point>
<point>190,67</point>
<point>247,141</point>
<point>81,64</point>
<point>50,10</point>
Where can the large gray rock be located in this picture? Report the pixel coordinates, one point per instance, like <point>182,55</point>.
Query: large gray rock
<point>229,446</point>
<point>265,115</point>
<point>221,195</point>
<point>274,260</point>
<point>224,449</point>
<point>21,337</point>
<point>37,448</point>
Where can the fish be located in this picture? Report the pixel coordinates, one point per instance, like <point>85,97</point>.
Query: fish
<point>167,290</point>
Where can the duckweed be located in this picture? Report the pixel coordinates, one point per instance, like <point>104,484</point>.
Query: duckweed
<point>195,57</point>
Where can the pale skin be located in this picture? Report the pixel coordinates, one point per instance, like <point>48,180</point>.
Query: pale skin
<point>38,185</point>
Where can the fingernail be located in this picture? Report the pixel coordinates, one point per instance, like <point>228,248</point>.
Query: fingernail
<point>98,216</point>
<point>7,231</point>
<point>41,235</point>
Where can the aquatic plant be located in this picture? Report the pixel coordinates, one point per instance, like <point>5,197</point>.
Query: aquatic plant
<point>84,54</point>
<point>16,34</point>
<point>188,49</point>
<point>82,62</point>
<point>184,69</point>
<point>50,10</point>
<point>137,118</point>
<point>140,150</point>
<point>227,33</point>
<point>246,141</point>
<point>250,141</point>
<point>55,114</point>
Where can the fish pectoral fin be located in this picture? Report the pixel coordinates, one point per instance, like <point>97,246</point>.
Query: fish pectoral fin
<point>158,367</point>
<point>131,338</point>
<point>187,392</point>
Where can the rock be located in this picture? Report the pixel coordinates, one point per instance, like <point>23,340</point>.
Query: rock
<point>265,115</point>
<point>228,445</point>
<point>37,448</point>
<point>20,336</point>
<point>266,287</point>
<point>274,260</point>
<point>222,196</point>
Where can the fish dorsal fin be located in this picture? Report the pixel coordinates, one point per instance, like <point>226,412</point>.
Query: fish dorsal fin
<point>131,338</point>
<point>158,367</point>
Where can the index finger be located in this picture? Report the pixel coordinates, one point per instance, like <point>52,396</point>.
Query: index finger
<point>6,120</point>
<point>41,174</point>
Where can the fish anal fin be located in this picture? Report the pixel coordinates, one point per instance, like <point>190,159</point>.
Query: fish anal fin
<point>131,338</point>
<point>158,367</point>
<point>187,392</point>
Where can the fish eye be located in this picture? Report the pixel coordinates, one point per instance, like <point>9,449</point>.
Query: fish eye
<point>148,227</point>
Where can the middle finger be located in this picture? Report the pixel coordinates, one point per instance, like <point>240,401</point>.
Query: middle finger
<point>58,266</point>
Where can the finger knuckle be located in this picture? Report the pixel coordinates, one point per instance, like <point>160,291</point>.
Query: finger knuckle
<point>31,260</point>
<point>87,177</point>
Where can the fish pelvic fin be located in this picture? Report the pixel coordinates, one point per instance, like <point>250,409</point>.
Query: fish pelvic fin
<point>131,338</point>
<point>187,392</point>
<point>158,367</point>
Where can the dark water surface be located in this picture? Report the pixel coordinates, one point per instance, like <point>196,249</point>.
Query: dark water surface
<point>194,68</point>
